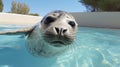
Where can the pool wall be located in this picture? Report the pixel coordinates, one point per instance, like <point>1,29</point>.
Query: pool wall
<point>87,19</point>
<point>98,19</point>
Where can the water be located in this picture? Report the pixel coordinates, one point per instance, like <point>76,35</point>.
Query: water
<point>93,47</point>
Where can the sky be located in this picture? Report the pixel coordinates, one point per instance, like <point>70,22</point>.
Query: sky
<point>42,7</point>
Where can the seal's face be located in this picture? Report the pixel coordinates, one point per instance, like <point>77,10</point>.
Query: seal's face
<point>58,28</point>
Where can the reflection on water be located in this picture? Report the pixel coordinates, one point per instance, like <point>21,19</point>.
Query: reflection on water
<point>92,48</point>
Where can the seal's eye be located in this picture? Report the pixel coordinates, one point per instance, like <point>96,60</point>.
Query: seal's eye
<point>71,23</point>
<point>49,19</point>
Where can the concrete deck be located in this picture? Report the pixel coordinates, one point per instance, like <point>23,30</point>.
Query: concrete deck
<point>18,19</point>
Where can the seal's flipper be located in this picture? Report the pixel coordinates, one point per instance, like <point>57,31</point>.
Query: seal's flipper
<point>14,32</point>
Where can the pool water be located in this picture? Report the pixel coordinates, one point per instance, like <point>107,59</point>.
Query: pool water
<point>93,47</point>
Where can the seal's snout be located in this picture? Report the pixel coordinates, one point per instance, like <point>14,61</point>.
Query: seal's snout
<point>60,31</point>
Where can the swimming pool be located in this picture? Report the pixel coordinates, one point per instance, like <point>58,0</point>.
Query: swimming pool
<point>93,47</point>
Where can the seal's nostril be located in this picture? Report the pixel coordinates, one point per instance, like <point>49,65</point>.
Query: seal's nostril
<point>64,30</point>
<point>57,29</point>
<point>60,31</point>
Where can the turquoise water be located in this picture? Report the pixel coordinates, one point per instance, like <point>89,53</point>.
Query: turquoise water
<point>93,47</point>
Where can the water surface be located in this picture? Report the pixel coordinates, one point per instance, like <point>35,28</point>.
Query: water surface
<point>93,47</point>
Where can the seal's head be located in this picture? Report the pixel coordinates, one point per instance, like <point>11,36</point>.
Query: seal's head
<point>58,28</point>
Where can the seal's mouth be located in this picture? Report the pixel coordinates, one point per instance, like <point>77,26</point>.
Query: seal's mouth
<point>57,42</point>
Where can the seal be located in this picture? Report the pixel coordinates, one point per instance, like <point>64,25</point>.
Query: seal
<point>51,36</point>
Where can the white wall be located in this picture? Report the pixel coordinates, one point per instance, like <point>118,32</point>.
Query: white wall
<point>18,19</point>
<point>94,19</point>
<point>98,19</point>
